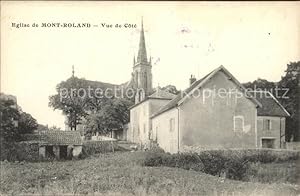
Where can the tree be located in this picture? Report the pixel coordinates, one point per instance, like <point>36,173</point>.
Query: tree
<point>70,100</point>
<point>113,116</point>
<point>171,89</point>
<point>291,82</point>
<point>42,127</point>
<point>9,116</point>
<point>26,123</point>
<point>9,134</point>
<point>55,128</point>
<point>260,84</point>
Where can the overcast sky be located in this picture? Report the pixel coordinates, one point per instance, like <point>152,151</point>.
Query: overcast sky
<point>252,40</point>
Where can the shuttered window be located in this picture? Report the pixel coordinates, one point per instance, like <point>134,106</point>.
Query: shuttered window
<point>238,123</point>
<point>267,124</point>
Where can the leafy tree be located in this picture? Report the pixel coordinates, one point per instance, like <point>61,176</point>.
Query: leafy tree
<point>9,134</point>
<point>9,116</point>
<point>71,100</point>
<point>77,98</point>
<point>26,123</point>
<point>260,84</point>
<point>42,127</point>
<point>113,116</point>
<point>291,81</point>
<point>55,128</point>
<point>171,89</point>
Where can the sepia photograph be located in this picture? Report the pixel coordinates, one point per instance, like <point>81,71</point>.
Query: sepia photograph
<point>150,98</point>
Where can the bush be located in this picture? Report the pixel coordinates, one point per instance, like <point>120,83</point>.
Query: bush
<point>155,159</point>
<point>20,151</point>
<point>213,163</point>
<point>233,164</point>
<point>95,147</point>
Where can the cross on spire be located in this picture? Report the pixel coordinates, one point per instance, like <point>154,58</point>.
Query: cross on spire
<point>73,72</point>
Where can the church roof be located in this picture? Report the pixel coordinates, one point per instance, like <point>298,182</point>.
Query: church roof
<point>270,105</point>
<point>102,85</point>
<point>197,84</point>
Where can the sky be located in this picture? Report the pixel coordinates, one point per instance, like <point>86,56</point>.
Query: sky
<point>252,40</point>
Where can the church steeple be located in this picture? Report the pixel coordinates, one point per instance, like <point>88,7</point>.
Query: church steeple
<point>142,74</point>
<point>142,53</point>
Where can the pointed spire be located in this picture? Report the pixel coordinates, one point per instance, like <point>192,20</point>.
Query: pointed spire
<point>133,60</point>
<point>142,54</point>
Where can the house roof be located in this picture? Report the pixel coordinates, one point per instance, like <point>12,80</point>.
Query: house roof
<point>61,137</point>
<point>158,94</point>
<point>270,105</point>
<point>197,84</point>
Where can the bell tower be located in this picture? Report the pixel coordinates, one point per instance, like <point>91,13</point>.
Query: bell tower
<point>142,70</point>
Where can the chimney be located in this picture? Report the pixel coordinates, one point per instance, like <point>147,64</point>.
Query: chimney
<point>192,80</point>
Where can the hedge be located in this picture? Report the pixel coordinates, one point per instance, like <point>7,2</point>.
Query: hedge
<point>20,151</point>
<point>95,147</point>
<point>232,164</point>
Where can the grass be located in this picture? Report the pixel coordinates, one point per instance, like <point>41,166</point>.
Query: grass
<point>287,172</point>
<point>121,173</point>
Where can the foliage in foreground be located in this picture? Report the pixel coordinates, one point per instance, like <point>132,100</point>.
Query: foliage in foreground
<point>232,164</point>
<point>121,173</point>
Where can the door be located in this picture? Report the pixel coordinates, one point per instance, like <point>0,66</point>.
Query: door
<point>63,152</point>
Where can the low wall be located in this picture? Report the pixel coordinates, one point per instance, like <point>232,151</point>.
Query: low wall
<point>293,145</point>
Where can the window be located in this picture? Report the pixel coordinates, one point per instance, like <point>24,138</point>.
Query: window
<point>267,124</point>
<point>238,123</point>
<point>267,143</point>
<point>144,128</point>
<point>172,124</point>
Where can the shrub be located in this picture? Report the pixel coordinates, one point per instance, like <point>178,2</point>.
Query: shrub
<point>155,159</point>
<point>213,163</point>
<point>95,147</point>
<point>189,161</point>
<point>20,151</point>
<point>155,148</point>
<point>234,164</point>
